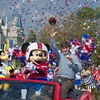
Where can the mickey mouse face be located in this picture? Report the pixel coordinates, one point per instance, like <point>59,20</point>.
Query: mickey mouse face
<point>35,52</point>
<point>39,53</point>
<point>38,56</point>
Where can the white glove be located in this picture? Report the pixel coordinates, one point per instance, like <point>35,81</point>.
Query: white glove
<point>30,66</point>
<point>4,72</point>
<point>16,71</point>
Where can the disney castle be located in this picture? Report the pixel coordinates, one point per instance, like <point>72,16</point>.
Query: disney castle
<point>13,35</point>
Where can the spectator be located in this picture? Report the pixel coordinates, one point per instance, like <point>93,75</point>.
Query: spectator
<point>50,71</point>
<point>67,64</point>
<point>77,80</point>
<point>96,75</point>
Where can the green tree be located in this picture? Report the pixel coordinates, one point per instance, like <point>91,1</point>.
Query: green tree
<point>43,36</point>
<point>86,13</point>
<point>32,37</point>
<point>96,52</point>
<point>97,12</point>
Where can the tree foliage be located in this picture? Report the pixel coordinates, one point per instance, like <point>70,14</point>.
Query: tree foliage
<point>43,36</point>
<point>32,37</point>
<point>96,52</point>
<point>86,13</point>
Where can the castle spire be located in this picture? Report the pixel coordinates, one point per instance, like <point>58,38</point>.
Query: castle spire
<point>19,21</point>
<point>1,32</point>
<point>3,22</point>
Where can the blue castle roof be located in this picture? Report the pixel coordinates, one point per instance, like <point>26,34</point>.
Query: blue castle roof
<point>19,22</point>
<point>1,32</point>
<point>3,22</point>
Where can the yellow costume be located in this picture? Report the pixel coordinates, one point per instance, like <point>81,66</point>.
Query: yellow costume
<point>3,69</point>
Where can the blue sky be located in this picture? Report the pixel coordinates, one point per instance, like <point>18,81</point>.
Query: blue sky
<point>36,12</point>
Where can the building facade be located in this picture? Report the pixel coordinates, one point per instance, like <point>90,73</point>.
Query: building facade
<point>13,35</point>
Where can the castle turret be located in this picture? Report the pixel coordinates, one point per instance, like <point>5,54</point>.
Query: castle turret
<point>1,32</point>
<point>2,38</point>
<point>15,34</point>
<point>3,22</point>
<point>19,22</point>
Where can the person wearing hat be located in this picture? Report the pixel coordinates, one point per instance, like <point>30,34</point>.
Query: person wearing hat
<point>68,64</point>
<point>50,71</point>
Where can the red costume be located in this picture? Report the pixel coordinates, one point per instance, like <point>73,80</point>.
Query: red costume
<point>39,71</point>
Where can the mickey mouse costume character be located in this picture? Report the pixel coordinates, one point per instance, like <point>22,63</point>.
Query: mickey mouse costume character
<point>36,57</point>
<point>36,62</point>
